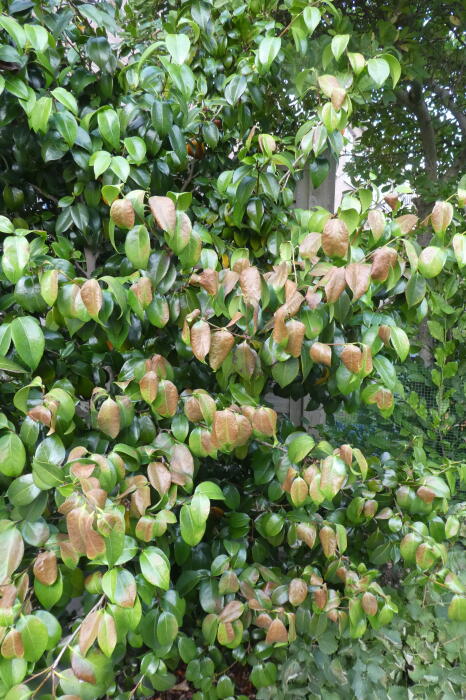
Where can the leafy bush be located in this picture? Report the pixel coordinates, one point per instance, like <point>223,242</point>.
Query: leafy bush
<point>156,514</point>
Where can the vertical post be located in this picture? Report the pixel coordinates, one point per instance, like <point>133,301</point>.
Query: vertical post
<point>307,197</point>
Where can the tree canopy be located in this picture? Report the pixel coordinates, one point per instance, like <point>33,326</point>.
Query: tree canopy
<point>157,283</point>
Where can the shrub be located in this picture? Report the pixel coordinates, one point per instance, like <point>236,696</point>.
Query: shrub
<point>156,512</point>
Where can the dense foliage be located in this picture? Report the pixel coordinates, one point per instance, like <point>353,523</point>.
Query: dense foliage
<point>156,284</point>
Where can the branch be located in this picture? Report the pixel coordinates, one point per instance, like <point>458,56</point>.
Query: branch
<point>44,194</point>
<point>416,103</point>
<point>448,102</point>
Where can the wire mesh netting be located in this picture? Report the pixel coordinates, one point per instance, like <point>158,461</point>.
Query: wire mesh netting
<point>435,418</point>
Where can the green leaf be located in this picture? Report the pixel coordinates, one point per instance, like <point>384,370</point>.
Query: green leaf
<point>34,636</point>
<point>178,46</point>
<point>235,88</point>
<point>267,52</point>
<point>40,114</point>
<point>299,446</point>
<point>339,44</point>
<point>457,608</point>
<point>155,567</point>
<point>14,29</point>
<point>120,167</point>
<point>137,247</point>
<point>67,126</point>
<point>49,595</point>
<point>394,65</point>
<point>211,490</point>
<point>109,127</point>
<point>400,342</point>
<point>5,225</point>
<point>167,628</point>
<point>11,552</point>
<point>15,257</point>
<point>285,372</point>
<point>12,455</point>
<point>28,340</point>
<point>136,148</point>
<point>311,17</point>
<point>101,161</point>
<point>379,70</point>
<point>66,99</point>
<point>37,36</point>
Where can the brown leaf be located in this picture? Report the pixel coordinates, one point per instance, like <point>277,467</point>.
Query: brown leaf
<point>335,284</point>
<point>384,258</point>
<point>369,603</point>
<point>167,399</point>
<point>244,430</point>
<point>232,611</point>
<point>383,398</point>
<point>225,429</point>
<point>328,541</point>
<point>192,409</point>
<point>45,568</point>
<point>95,544</point>
<point>384,334</point>
<point>79,524</point>
<point>12,645</point>
<point>221,343</point>
<point>250,283</point>
<point>425,494</point>
<point>351,357</point>
<point>200,339</point>
<point>299,492</point>
<point>320,597</point>
<point>208,279</point>
<point>159,477</point>
<point>358,276</point>
<point>314,298</point>
<point>441,216</point>
<point>108,418</point>
<point>82,668</point>
<point>264,421</point>
<point>322,353</point>
<point>68,554</point>
<point>122,213</point>
<point>335,238</point>
<point>96,497</point>
<point>278,276</point>
<point>164,212</point>
<point>41,415</point>
<point>295,330</point>
<point>392,199</point>
<point>407,222</point>
<point>92,297</point>
<point>263,621</point>
<point>277,632</point>
<point>297,591</point>
<point>307,533</point>
<point>346,453</point>
<point>310,246</point>
<point>148,387</point>
<point>142,289</point>
<point>245,360</point>
<point>88,631</point>
<point>338,97</point>
<point>376,221</point>
<point>280,332</point>
<point>181,465</point>
<point>229,279</point>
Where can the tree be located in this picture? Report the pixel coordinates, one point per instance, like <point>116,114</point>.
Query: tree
<point>156,284</point>
<point>425,115</point>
